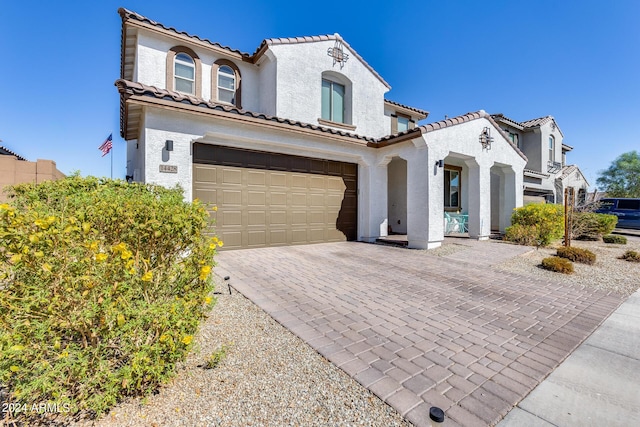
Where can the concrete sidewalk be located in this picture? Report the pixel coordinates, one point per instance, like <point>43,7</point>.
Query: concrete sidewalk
<point>598,385</point>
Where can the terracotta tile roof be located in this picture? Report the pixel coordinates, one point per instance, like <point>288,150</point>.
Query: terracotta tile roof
<point>502,118</point>
<point>416,110</point>
<point>412,133</point>
<point>310,39</point>
<point>128,88</point>
<point>536,122</point>
<point>7,152</point>
<point>128,14</point>
<point>568,170</point>
<point>527,124</point>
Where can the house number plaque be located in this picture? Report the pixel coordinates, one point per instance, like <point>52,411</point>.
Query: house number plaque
<point>169,168</point>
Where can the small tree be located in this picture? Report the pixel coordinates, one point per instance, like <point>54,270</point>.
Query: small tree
<point>622,179</point>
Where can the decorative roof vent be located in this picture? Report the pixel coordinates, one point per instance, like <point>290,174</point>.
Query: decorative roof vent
<point>337,53</point>
<point>486,139</point>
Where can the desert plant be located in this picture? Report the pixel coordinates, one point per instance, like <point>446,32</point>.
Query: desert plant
<point>102,287</point>
<point>631,256</point>
<point>557,264</point>
<point>615,239</point>
<point>536,224</point>
<point>215,358</point>
<point>583,256</point>
<point>591,225</point>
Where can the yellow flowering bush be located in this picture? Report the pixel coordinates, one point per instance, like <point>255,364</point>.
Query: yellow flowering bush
<point>102,287</point>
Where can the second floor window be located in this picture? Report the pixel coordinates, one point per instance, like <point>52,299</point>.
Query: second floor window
<point>403,124</point>
<point>226,85</point>
<point>333,95</point>
<point>184,74</point>
<point>552,146</point>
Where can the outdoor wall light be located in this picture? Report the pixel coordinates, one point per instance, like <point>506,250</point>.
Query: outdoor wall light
<point>168,145</point>
<point>440,163</point>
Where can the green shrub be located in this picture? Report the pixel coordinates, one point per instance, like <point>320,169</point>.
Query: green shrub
<point>536,224</point>
<point>614,238</point>
<point>632,256</point>
<point>591,225</point>
<point>583,256</point>
<point>557,264</point>
<point>102,287</point>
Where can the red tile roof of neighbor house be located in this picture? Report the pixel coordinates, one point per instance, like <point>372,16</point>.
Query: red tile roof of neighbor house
<point>527,124</point>
<point>6,151</point>
<point>128,89</point>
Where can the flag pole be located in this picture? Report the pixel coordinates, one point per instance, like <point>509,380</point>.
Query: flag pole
<point>111,162</point>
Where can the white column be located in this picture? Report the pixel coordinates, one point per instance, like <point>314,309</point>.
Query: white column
<point>509,197</point>
<point>479,200</point>
<point>372,201</point>
<point>425,225</point>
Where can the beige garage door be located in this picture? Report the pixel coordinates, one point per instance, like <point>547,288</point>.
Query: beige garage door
<point>267,199</point>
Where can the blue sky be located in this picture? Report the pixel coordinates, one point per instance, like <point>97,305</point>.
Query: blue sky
<point>577,60</point>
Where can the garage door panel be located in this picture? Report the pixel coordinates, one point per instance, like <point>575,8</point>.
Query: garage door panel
<point>229,217</point>
<point>317,235</point>
<point>317,200</point>
<point>257,218</point>
<point>257,198</point>
<point>232,176</point>
<point>231,239</point>
<point>205,174</point>
<point>277,218</point>
<point>268,199</point>
<point>298,217</point>
<point>298,181</point>
<point>206,195</point>
<point>257,238</point>
<point>231,197</point>
<point>277,179</point>
<point>316,217</point>
<point>277,199</point>
<point>317,183</point>
<point>299,199</point>
<point>277,237</point>
<point>258,178</point>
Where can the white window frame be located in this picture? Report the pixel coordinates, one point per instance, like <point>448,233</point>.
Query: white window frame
<point>192,65</point>
<point>331,109</point>
<point>227,71</point>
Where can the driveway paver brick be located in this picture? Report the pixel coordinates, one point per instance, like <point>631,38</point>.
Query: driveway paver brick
<point>420,330</point>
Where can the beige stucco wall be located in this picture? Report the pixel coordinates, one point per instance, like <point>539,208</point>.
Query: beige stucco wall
<point>14,171</point>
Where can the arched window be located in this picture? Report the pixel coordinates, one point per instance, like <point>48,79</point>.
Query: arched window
<point>184,71</point>
<point>335,101</point>
<point>226,83</point>
<point>184,74</point>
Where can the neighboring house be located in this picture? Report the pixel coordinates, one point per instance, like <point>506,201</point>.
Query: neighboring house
<point>296,143</point>
<point>15,169</point>
<point>547,173</point>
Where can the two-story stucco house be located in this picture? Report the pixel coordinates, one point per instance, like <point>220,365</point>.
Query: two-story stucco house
<point>546,174</point>
<point>295,143</point>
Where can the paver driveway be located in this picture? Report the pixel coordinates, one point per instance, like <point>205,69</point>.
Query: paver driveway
<point>420,330</point>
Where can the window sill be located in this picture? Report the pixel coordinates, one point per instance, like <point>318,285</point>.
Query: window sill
<point>336,124</point>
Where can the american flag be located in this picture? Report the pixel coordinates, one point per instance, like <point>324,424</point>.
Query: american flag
<point>106,146</point>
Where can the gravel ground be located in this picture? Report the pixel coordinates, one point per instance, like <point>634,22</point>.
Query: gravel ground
<point>608,274</point>
<point>271,378</point>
